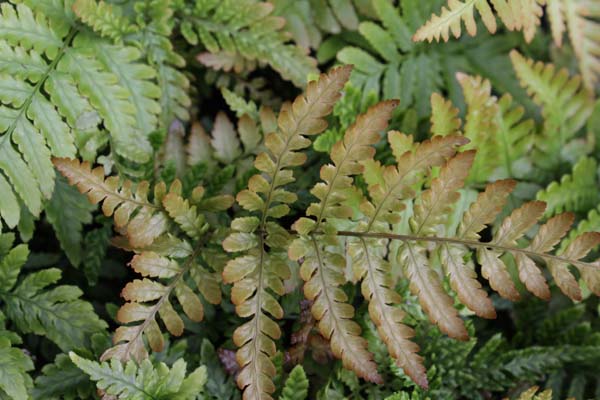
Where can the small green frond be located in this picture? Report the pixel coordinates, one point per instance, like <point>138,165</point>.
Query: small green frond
<point>33,307</point>
<point>566,104</point>
<point>296,385</point>
<point>575,192</point>
<point>59,85</point>
<point>103,18</point>
<point>62,379</point>
<point>144,381</point>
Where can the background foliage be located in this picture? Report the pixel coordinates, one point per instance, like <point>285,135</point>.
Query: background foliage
<point>156,110</point>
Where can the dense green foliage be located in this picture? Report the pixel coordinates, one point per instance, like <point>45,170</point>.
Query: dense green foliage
<point>299,199</point>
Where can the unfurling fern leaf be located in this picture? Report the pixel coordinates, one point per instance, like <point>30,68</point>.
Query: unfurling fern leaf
<point>165,261</point>
<point>256,273</point>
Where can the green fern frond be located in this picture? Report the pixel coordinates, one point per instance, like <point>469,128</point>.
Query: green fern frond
<point>62,380</point>
<point>566,104</point>
<point>247,28</point>
<point>143,381</point>
<point>33,307</point>
<point>105,19</point>
<point>495,129</point>
<point>296,385</point>
<point>15,382</point>
<point>67,211</point>
<point>150,32</point>
<point>309,20</point>
<point>393,67</point>
<point>575,192</point>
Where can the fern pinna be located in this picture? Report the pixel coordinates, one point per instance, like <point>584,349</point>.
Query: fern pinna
<point>406,221</point>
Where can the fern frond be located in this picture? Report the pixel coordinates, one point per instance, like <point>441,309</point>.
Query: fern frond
<point>143,381</point>
<point>444,116</point>
<point>142,220</point>
<point>494,128</point>
<point>296,385</point>
<point>580,18</point>
<point>323,271</point>
<point>566,104</point>
<point>532,394</point>
<point>145,223</point>
<point>309,20</point>
<point>515,14</point>
<point>150,33</point>
<point>104,18</point>
<point>575,192</point>
<point>67,211</point>
<point>55,312</point>
<point>14,364</point>
<point>377,286</point>
<point>256,271</point>
<point>55,104</point>
<point>248,28</point>
<point>436,234</point>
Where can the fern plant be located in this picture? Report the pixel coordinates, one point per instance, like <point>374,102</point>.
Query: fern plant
<point>255,262</point>
<point>398,212</point>
<point>345,218</point>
